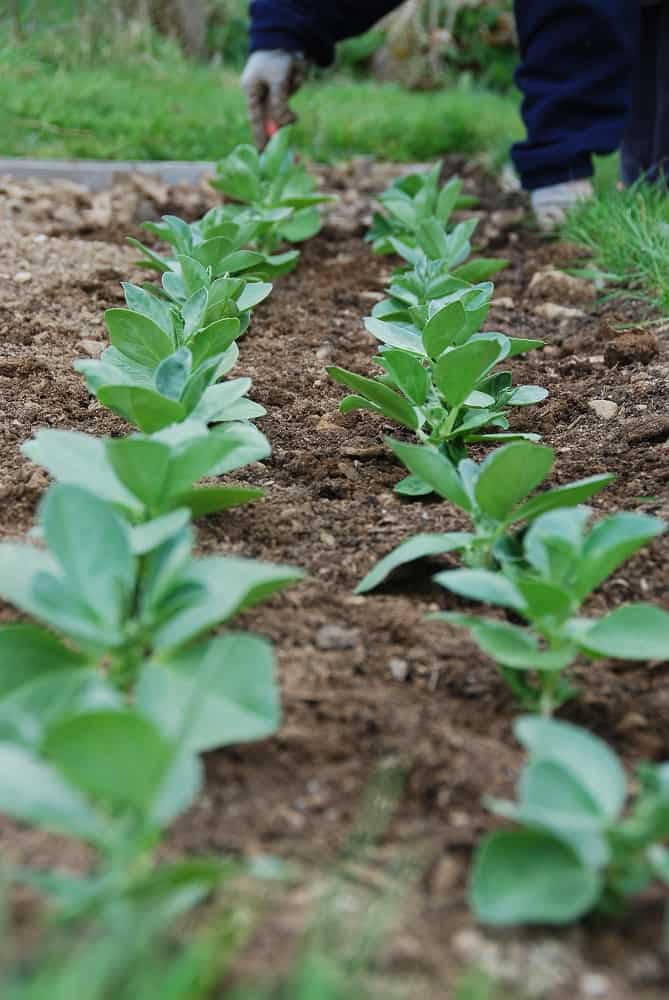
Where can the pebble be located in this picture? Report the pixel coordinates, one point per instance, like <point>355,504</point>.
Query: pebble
<point>594,984</point>
<point>505,302</point>
<point>336,637</point>
<point>551,283</point>
<point>399,668</point>
<point>23,277</point>
<point>551,310</point>
<point>605,409</point>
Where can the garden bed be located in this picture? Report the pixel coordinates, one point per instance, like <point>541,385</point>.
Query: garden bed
<point>365,680</point>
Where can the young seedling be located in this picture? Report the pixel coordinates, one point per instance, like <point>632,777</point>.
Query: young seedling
<point>274,191</point>
<point>577,849</point>
<point>148,476</point>
<point>441,384</point>
<point>562,564</point>
<point>215,242</point>
<point>495,494</point>
<point>118,594</point>
<point>151,379</point>
<point>411,201</point>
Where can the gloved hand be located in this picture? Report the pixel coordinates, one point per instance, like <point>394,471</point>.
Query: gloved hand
<point>269,79</point>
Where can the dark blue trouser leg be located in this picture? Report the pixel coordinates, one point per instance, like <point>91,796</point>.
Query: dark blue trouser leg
<point>577,59</point>
<point>645,148</point>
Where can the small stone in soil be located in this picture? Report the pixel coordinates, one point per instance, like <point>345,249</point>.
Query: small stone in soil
<point>605,409</point>
<point>336,637</point>
<point>594,984</point>
<point>399,668</point>
<point>551,311</point>
<point>551,283</point>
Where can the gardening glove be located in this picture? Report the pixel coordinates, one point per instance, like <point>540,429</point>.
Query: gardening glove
<point>269,79</point>
<point>551,204</point>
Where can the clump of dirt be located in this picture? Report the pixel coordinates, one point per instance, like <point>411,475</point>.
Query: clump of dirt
<point>366,680</point>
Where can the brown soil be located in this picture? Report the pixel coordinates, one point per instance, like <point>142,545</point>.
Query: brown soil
<point>384,687</point>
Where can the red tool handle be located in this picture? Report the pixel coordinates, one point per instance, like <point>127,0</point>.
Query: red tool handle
<point>271,127</point>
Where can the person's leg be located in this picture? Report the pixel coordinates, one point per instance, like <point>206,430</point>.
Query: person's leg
<point>637,153</point>
<point>575,75</point>
<point>660,163</point>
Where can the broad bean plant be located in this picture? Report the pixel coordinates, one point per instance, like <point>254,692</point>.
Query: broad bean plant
<point>272,191</point>
<point>579,845</point>
<point>560,564</point>
<point>166,361</point>
<point>496,494</point>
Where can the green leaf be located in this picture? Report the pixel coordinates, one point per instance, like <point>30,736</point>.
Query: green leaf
<point>520,345</point>
<point>390,403</point>
<point>213,499</point>
<point>213,340</point>
<point>172,374</point>
<point>414,548</point>
<point>142,466</point>
<point>394,335</point>
<point>20,566</point>
<point>434,469</point>
<point>569,495</point>
<point>193,310</point>
<point>543,598</point>
<point>482,585</point>
<point>509,645</point>
<point>149,536</point>
<point>633,632</point>
<point>480,269</point>
<point>587,758</point>
<point>253,294</point>
<point>78,460</point>
<point>527,876</point>
<point>38,704</point>
<point>227,586</point>
<point>218,693</point>
<point>443,327</point>
<point>458,371</point>
<point>509,474</point>
<point>408,373</point>
<point>141,301</point>
<point>138,337</point>
<point>28,653</point>
<point>117,758</point>
<point>92,545</point>
<point>220,401</point>
<point>611,542</point>
<point>526,395</point>
<point>34,792</point>
<point>412,486</point>
<point>144,408</point>
<point>193,275</point>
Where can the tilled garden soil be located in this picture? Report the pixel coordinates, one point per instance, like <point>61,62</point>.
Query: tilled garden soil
<point>367,683</point>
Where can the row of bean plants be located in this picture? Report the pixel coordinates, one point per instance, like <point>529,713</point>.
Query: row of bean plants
<point>117,684</point>
<point>579,844</point>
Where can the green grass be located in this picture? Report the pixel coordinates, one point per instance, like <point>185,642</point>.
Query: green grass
<point>144,100</point>
<point>627,232</point>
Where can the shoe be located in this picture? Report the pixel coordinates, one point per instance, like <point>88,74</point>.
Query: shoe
<point>551,204</point>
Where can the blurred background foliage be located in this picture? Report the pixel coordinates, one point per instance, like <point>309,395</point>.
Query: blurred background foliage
<point>159,79</point>
<point>421,44</point>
